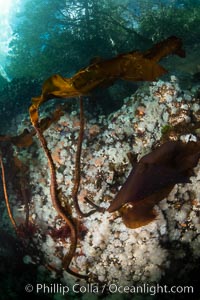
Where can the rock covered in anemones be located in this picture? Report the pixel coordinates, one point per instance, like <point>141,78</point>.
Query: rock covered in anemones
<point>106,247</point>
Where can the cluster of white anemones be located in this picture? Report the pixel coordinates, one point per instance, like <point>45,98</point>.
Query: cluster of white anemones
<point>110,250</point>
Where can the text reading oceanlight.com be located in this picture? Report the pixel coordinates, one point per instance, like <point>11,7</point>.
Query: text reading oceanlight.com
<point>94,288</point>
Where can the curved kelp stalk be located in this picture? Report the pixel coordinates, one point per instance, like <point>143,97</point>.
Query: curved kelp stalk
<point>6,195</point>
<point>25,229</point>
<point>57,205</point>
<point>77,173</point>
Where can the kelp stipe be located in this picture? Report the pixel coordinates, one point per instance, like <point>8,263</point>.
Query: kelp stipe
<point>56,193</point>
<point>6,195</point>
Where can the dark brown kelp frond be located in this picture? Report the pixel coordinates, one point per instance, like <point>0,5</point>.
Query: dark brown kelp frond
<point>25,139</point>
<point>152,179</point>
<point>133,66</point>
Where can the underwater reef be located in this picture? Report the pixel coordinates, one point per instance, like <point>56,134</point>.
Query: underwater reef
<point>106,247</point>
<point>66,182</point>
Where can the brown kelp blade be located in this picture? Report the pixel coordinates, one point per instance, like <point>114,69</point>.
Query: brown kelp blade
<point>55,86</point>
<point>133,66</point>
<point>171,45</point>
<point>146,180</point>
<point>25,139</point>
<point>170,164</point>
<point>154,176</point>
<point>142,213</point>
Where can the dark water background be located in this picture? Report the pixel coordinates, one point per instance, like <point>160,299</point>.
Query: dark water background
<point>62,37</point>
